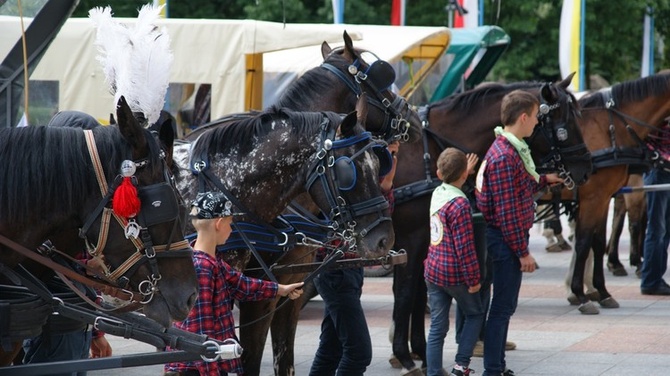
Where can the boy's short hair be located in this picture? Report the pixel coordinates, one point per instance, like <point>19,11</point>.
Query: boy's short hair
<point>210,205</point>
<point>451,163</point>
<point>516,103</point>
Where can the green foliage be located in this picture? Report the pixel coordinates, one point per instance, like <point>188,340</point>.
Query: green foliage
<point>613,45</point>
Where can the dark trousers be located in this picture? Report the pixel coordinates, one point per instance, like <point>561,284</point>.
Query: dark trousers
<point>345,347</point>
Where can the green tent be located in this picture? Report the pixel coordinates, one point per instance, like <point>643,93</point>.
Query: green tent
<point>471,55</point>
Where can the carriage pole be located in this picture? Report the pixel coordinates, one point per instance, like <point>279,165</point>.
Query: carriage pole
<point>644,188</point>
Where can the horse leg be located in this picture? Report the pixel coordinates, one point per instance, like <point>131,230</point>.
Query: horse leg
<point>418,321</point>
<point>404,293</point>
<point>637,221</point>
<point>591,291</point>
<point>613,263</point>
<point>7,356</point>
<point>599,246</point>
<point>253,336</point>
<point>284,325</point>
<point>584,238</point>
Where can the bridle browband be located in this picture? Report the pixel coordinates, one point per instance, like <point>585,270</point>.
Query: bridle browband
<point>146,251</point>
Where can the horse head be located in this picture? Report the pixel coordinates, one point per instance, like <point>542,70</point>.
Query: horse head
<point>356,71</point>
<point>561,146</point>
<point>349,193</point>
<point>140,241</point>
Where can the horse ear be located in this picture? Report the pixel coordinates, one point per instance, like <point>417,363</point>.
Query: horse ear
<point>349,46</point>
<point>166,137</point>
<point>566,82</point>
<point>348,124</point>
<point>362,108</point>
<point>130,129</point>
<point>325,49</point>
<point>548,94</point>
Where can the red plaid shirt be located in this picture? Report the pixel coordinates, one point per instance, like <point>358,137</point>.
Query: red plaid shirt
<point>661,144</point>
<point>212,315</point>
<point>506,196</point>
<point>453,262</point>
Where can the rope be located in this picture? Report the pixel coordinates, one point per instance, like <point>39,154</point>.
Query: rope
<point>25,64</point>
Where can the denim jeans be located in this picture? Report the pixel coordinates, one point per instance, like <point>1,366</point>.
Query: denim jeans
<point>485,296</point>
<point>506,285</point>
<point>50,347</point>
<point>345,347</point>
<point>440,302</point>
<point>657,238</point>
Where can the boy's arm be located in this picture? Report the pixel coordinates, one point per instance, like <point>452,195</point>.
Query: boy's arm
<point>463,239</point>
<point>245,288</point>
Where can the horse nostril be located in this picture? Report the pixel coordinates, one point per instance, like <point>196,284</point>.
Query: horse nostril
<point>191,300</point>
<point>382,245</point>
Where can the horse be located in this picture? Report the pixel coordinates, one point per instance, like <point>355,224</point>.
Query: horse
<point>615,122</point>
<point>466,121</point>
<point>333,86</point>
<point>634,205</point>
<point>65,199</point>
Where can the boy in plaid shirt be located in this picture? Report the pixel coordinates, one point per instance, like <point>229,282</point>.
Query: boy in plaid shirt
<point>505,185</point>
<point>451,267</point>
<point>219,284</point>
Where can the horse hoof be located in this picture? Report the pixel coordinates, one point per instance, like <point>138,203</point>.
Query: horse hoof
<point>416,371</point>
<point>395,363</point>
<point>617,271</point>
<point>565,246</point>
<point>553,248</point>
<point>573,299</point>
<point>638,272</point>
<point>593,296</point>
<point>589,309</point>
<point>609,303</point>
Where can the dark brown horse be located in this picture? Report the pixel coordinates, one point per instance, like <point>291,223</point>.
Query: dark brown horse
<point>57,183</point>
<point>615,123</point>
<point>633,205</point>
<point>465,121</point>
<point>333,86</point>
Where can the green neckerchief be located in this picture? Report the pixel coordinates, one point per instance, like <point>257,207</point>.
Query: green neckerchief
<point>522,148</point>
<point>443,194</point>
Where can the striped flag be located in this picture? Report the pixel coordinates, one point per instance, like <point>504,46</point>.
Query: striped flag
<point>570,44</point>
<point>648,44</point>
<point>398,12</point>
<point>471,19</point>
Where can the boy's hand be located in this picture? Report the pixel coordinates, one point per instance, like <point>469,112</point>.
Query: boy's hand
<point>475,288</point>
<point>293,291</point>
<point>472,162</point>
<point>528,263</point>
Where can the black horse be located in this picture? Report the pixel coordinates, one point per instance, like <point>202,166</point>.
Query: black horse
<point>58,184</point>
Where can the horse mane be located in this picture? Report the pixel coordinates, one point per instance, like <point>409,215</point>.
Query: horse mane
<point>640,89</point>
<point>49,170</point>
<point>243,133</point>
<point>312,84</point>
<point>471,98</point>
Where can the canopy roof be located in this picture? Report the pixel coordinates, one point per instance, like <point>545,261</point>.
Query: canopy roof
<point>412,50</point>
<point>472,53</point>
<point>205,51</point>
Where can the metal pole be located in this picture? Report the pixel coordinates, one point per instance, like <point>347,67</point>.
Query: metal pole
<point>644,188</point>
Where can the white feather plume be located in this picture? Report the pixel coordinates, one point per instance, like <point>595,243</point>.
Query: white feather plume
<point>136,60</point>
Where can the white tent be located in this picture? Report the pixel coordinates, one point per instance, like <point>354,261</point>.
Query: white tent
<point>412,50</point>
<point>224,53</point>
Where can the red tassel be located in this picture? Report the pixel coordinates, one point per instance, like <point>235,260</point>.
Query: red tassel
<point>125,202</point>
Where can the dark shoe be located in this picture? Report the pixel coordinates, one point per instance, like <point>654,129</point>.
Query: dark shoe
<point>508,372</point>
<point>464,372</point>
<point>662,289</point>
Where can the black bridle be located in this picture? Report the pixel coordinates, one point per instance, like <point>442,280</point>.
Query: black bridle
<point>556,133</point>
<point>376,77</point>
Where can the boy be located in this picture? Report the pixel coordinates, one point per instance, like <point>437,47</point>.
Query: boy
<point>219,285</point>
<point>451,267</point>
<point>506,182</point>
